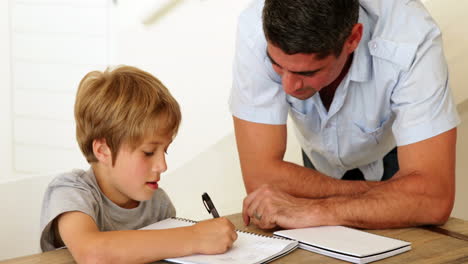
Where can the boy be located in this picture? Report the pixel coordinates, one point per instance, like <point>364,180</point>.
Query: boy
<point>125,122</point>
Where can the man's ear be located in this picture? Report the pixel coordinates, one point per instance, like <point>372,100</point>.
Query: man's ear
<point>102,151</point>
<point>354,38</point>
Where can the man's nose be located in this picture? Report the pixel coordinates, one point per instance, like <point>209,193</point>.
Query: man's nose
<point>291,82</point>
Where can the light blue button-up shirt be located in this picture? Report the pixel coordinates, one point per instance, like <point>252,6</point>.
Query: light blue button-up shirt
<point>395,93</point>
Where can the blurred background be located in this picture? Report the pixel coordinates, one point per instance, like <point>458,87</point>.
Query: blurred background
<point>46,47</point>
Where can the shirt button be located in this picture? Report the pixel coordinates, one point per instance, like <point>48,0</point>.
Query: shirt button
<point>374,46</point>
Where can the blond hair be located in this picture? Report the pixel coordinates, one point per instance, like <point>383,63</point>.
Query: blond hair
<point>122,105</point>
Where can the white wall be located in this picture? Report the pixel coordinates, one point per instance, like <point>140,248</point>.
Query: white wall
<point>190,50</point>
<point>20,210</point>
<point>6,164</point>
<point>52,48</point>
<point>460,209</point>
<point>450,15</point>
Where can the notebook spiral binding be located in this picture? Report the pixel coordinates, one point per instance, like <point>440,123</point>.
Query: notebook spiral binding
<point>237,230</point>
<point>260,235</point>
<point>184,219</point>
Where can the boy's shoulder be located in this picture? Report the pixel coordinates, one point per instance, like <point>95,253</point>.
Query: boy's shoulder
<point>74,184</point>
<point>75,190</point>
<point>75,178</point>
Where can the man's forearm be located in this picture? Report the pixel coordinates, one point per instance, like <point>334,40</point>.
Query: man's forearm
<point>303,182</point>
<point>406,201</point>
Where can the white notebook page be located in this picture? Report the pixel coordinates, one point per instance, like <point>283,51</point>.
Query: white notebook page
<point>248,248</point>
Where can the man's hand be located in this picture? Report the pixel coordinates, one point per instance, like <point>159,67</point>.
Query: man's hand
<point>268,207</point>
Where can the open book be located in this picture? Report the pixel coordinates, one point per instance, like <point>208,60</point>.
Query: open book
<point>249,248</point>
<point>345,243</point>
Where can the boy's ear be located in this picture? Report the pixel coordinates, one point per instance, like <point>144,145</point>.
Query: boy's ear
<point>102,151</point>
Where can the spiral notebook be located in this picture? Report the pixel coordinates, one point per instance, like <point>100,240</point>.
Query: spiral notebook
<point>249,248</point>
<point>346,243</point>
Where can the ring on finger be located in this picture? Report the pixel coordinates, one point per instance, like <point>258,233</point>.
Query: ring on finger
<point>257,216</point>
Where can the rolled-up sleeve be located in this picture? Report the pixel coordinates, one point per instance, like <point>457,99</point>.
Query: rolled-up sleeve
<point>256,93</point>
<point>423,103</point>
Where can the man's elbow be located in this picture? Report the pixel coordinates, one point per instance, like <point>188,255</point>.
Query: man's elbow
<point>253,181</point>
<point>440,202</point>
<point>441,211</point>
<point>251,186</point>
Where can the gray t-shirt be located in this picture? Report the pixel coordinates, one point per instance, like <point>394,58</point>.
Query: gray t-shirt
<point>78,191</point>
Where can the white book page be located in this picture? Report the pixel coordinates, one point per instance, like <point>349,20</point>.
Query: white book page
<point>248,248</point>
<point>343,239</point>
<point>168,223</point>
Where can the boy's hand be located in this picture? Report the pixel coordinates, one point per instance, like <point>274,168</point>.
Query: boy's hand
<point>214,236</point>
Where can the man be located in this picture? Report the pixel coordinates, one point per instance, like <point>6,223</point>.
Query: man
<point>366,84</point>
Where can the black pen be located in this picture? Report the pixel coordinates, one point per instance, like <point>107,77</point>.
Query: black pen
<point>209,205</point>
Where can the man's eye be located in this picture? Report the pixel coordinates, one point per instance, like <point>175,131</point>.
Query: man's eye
<point>148,154</point>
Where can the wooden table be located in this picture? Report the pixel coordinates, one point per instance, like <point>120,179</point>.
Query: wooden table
<point>427,247</point>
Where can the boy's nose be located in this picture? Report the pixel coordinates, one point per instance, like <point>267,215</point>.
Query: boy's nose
<point>159,165</point>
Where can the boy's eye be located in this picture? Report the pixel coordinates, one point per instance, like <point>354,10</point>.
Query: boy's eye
<point>148,154</point>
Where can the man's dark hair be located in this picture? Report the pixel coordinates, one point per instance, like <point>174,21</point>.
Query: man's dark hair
<point>309,26</point>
